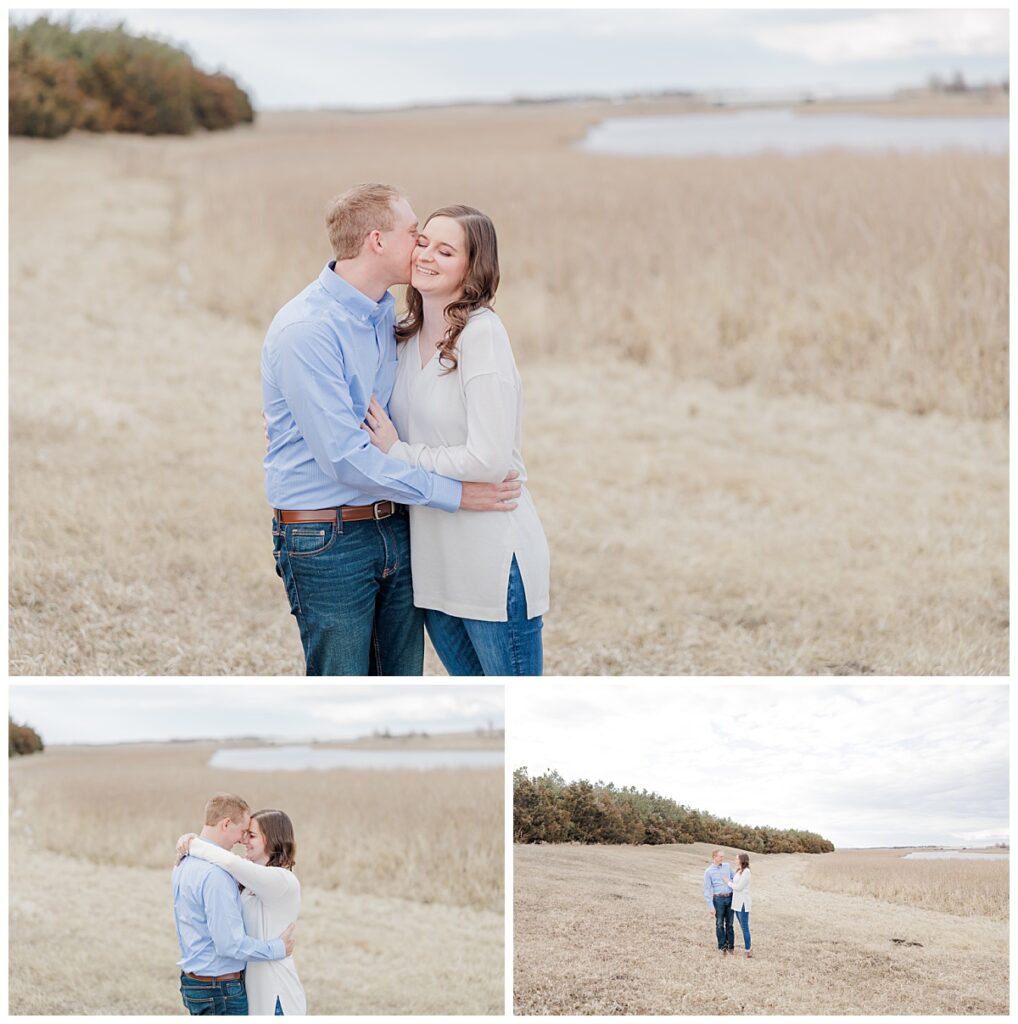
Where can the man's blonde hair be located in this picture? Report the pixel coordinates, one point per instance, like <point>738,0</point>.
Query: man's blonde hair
<point>716,851</point>
<point>225,805</point>
<point>352,216</point>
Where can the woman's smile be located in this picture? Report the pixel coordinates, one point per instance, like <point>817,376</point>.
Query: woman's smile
<point>441,253</point>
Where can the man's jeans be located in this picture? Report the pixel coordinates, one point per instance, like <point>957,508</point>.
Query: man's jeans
<point>220,998</point>
<point>743,916</point>
<point>724,921</point>
<point>351,592</point>
<point>472,647</point>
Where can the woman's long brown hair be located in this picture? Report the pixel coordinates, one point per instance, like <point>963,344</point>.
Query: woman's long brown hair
<point>743,862</point>
<point>277,829</point>
<point>479,283</point>
<point>279,843</point>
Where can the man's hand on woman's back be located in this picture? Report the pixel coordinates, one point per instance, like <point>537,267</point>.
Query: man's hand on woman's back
<point>491,497</point>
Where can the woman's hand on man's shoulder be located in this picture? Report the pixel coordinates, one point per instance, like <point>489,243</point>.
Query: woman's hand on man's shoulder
<point>184,845</point>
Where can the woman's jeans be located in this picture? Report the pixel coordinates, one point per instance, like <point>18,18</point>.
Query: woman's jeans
<point>472,647</point>
<point>743,916</point>
<point>216,998</point>
<point>279,1008</point>
<point>352,595</point>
